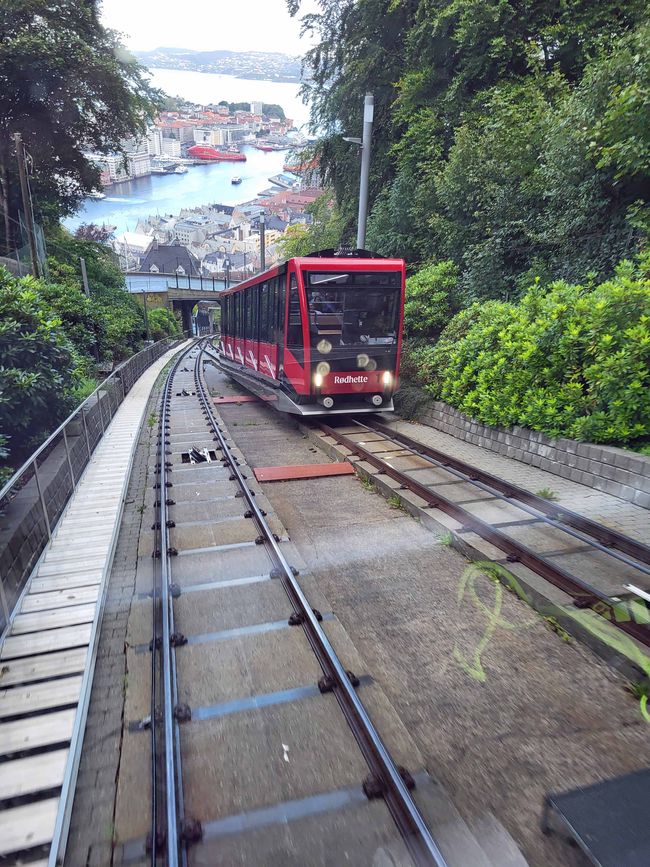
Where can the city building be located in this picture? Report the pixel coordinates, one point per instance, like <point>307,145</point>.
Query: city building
<point>257,108</point>
<point>174,259</point>
<point>154,141</point>
<point>171,147</point>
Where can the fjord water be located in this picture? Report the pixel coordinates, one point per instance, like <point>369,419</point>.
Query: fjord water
<point>210,183</point>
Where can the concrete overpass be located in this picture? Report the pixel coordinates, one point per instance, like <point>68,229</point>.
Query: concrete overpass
<point>176,292</point>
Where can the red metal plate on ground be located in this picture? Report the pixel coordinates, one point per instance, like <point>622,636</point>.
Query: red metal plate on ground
<point>244,398</point>
<point>302,471</point>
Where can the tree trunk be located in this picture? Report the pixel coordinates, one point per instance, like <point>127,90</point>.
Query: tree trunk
<point>4,203</point>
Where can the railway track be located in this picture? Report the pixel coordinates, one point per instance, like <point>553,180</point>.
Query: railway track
<point>188,428</point>
<point>404,460</point>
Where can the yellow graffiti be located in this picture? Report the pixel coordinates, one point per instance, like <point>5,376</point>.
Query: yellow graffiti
<point>474,667</point>
<point>587,619</point>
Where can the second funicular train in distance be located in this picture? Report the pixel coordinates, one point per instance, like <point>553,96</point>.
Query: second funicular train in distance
<point>319,334</point>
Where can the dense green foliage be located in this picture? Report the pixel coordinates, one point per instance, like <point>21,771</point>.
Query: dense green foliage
<point>511,139</point>
<point>52,335</point>
<point>68,86</point>
<point>431,300</point>
<point>120,324</point>
<point>162,323</point>
<point>270,109</point>
<point>565,359</point>
<point>39,366</point>
<point>322,233</point>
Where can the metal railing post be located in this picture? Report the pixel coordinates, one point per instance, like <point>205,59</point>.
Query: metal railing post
<point>42,498</point>
<point>83,418</point>
<point>3,601</point>
<point>101,412</point>
<point>67,454</point>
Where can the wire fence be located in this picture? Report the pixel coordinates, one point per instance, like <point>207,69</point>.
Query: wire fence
<point>34,498</point>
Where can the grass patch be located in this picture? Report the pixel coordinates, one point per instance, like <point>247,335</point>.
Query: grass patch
<point>546,494</point>
<point>553,624</point>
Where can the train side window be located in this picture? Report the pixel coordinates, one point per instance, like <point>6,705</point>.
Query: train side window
<point>273,289</point>
<point>294,329</point>
<point>255,300</point>
<point>239,314</point>
<point>265,325</point>
<point>280,309</point>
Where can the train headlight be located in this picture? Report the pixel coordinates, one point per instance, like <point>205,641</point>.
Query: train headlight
<point>324,347</point>
<point>318,379</point>
<point>323,368</point>
<point>362,359</point>
<point>387,378</point>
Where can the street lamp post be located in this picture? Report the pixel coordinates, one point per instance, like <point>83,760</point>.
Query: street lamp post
<point>368,115</point>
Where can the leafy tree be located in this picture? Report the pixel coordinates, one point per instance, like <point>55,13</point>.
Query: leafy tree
<point>322,233</point>
<point>511,139</point>
<point>123,317</point>
<point>93,232</point>
<point>38,367</point>
<point>162,323</point>
<point>430,300</point>
<point>67,86</point>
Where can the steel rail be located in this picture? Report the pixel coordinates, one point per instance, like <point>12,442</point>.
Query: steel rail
<point>604,536</point>
<point>165,835</point>
<point>583,593</point>
<point>405,813</point>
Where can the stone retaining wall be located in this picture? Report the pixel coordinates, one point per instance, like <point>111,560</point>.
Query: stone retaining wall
<point>615,471</point>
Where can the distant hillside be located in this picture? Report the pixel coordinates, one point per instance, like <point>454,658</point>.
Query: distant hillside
<point>261,65</point>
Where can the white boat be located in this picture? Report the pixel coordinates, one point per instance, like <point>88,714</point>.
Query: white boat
<point>235,180</point>
<point>180,170</point>
<point>96,194</point>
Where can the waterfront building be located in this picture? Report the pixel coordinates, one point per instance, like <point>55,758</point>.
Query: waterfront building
<point>139,164</point>
<point>112,166</point>
<point>171,147</point>
<point>257,108</point>
<point>155,141</point>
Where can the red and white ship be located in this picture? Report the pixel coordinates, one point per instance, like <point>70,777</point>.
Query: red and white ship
<point>207,152</point>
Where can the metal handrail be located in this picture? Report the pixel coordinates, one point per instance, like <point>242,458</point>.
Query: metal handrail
<point>35,455</point>
<point>30,530</point>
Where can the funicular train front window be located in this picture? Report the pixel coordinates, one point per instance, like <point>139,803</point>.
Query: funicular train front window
<point>351,309</point>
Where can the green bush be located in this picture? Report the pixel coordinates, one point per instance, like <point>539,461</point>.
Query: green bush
<point>119,316</point>
<point>39,368</point>
<point>162,323</point>
<point>431,299</point>
<point>567,360</point>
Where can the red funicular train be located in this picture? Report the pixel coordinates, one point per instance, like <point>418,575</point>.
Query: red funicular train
<point>319,334</point>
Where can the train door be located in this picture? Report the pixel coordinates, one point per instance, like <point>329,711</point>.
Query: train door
<point>295,363</point>
<point>264,359</point>
<point>251,351</point>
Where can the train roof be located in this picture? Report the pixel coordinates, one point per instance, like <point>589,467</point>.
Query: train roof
<point>355,260</point>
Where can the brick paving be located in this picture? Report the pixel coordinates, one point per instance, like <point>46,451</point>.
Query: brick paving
<point>90,842</point>
<point>606,509</point>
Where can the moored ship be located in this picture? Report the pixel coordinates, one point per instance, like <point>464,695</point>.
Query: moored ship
<point>207,152</point>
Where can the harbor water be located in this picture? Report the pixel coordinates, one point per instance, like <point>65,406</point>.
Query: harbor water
<point>209,183</point>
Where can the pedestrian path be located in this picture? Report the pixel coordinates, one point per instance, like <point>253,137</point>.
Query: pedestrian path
<point>48,654</point>
<point>611,511</point>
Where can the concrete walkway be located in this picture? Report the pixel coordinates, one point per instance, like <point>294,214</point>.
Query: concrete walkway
<point>611,511</point>
<point>47,658</point>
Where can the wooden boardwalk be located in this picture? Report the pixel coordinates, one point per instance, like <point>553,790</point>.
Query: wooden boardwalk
<point>48,654</point>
